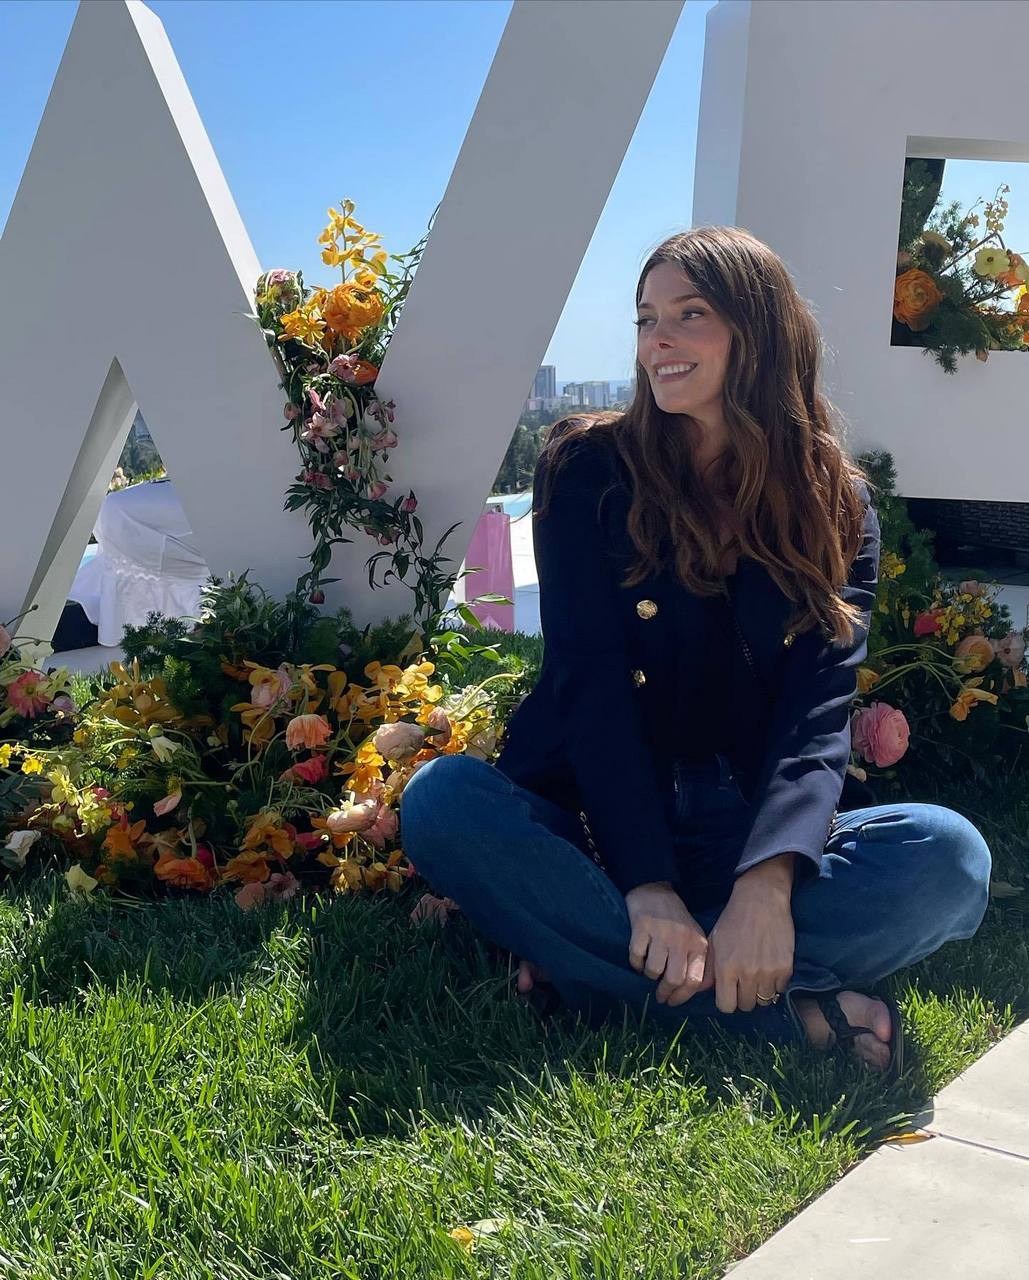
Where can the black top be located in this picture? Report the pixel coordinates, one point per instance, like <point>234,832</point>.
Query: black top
<point>700,726</point>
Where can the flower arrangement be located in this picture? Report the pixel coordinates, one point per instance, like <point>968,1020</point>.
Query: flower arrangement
<point>946,671</point>
<point>262,773</point>
<point>956,291</point>
<point>329,345</point>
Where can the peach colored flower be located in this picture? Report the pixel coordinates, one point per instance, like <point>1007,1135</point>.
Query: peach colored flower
<point>250,896</point>
<point>974,653</point>
<point>915,297</point>
<point>307,731</point>
<point>880,733</point>
<point>429,907</point>
<point>167,804</point>
<point>972,587</point>
<point>5,640</point>
<point>399,740</point>
<point>357,816</point>
<point>1011,649</point>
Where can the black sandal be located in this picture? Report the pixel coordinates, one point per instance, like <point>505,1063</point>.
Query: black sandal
<point>845,1033</point>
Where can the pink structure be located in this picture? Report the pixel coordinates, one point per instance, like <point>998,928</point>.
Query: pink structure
<point>490,547</point>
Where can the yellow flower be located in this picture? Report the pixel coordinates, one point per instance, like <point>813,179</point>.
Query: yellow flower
<point>304,324</point>
<point>891,565</point>
<point>968,697</point>
<point>32,764</point>
<point>79,881</point>
<point>464,1238</point>
<point>5,755</point>
<point>866,678</point>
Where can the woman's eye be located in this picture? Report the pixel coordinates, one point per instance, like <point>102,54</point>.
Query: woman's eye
<point>640,323</point>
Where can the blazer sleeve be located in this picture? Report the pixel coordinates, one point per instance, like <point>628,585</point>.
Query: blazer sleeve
<point>586,647</point>
<point>809,740</point>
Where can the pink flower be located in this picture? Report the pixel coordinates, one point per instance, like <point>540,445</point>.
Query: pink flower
<point>282,885</point>
<point>928,624</point>
<point>386,540</point>
<point>64,704</point>
<point>310,840</point>
<point>278,275</point>
<point>345,367</point>
<point>268,692</point>
<point>880,733</point>
<point>291,411</point>
<point>972,586</point>
<point>440,721</point>
<point>385,439</point>
<point>410,503</point>
<point>167,804</point>
<point>317,480</point>
<point>377,490</point>
<point>398,740</point>
<point>28,694</point>
<point>251,895</point>
<point>5,640</point>
<point>383,828</point>
<point>307,731</point>
<point>313,770</point>
<point>318,431</point>
<point>204,855</point>
<point>1010,650</point>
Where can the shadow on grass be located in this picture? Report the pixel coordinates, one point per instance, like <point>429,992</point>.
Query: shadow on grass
<point>400,1023</point>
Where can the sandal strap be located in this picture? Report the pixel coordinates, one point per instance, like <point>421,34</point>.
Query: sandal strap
<point>837,1019</point>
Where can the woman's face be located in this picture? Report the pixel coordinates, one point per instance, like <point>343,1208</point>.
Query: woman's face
<point>675,329</point>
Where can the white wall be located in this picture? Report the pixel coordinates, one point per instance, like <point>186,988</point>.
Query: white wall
<point>807,113</point>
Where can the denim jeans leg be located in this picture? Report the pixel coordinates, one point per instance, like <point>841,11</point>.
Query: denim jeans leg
<point>897,882</point>
<point>511,860</point>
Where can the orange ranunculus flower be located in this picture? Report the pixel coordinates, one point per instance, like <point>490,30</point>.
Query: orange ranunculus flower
<point>120,840</point>
<point>915,297</point>
<point>307,731</point>
<point>866,678</point>
<point>186,873</point>
<point>365,372</point>
<point>974,653</point>
<point>348,309</point>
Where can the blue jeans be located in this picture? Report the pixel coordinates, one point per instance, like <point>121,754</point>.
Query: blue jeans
<point>897,881</point>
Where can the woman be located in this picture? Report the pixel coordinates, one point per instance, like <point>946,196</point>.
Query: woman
<point>663,826</point>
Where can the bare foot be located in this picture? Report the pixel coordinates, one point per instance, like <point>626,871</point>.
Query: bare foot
<point>529,974</point>
<point>873,1050</point>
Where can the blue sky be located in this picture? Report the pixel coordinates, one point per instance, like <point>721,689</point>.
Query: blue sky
<point>401,78</point>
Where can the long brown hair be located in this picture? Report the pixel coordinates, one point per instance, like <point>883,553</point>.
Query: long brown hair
<point>785,482</point>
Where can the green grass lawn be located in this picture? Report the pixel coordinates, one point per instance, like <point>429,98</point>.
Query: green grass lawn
<point>326,1090</point>
<point>329,1090</point>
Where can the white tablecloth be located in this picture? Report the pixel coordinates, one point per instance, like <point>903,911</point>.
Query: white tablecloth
<point>145,561</point>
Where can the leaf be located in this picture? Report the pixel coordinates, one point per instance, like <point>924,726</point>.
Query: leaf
<point>1003,889</point>
<point>489,1226</point>
<point>908,1139</point>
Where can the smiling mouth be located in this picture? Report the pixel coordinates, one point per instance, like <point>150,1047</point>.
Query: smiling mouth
<point>674,377</point>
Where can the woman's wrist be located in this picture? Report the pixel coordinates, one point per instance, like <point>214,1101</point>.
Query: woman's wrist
<point>771,878</point>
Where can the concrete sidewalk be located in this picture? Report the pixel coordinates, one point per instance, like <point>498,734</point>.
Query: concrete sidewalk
<point>954,1206</point>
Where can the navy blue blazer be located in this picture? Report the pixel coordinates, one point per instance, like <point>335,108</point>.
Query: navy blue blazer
<point>587,736</point>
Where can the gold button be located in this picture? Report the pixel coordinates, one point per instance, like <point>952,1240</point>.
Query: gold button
<point>791,636</point>
<point>639,677</point>
<point>646,608</point>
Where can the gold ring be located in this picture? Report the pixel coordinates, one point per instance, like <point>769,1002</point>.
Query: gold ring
<point>768,999</point>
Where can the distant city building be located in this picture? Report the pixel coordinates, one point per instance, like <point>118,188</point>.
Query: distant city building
<point>545,386</point>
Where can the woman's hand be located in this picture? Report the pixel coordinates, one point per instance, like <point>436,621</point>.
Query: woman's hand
<point>666,942</point>
<point>751,945</point>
